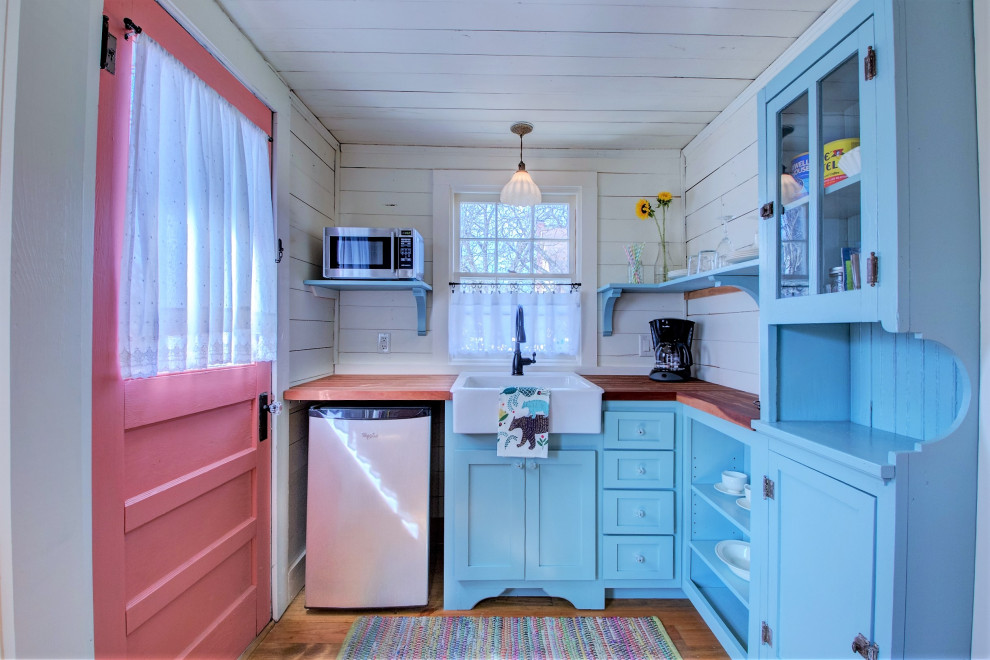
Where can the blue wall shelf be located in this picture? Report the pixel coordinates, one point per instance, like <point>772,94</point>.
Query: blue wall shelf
<point>417,287</point>
<point>743,276</point>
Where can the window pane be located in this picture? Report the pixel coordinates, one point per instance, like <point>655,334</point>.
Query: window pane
<point>478,256</point>
<point>515,257</point>
<point>477,220</point>
<point>515,221</point>
<point>550,257</point>
<point>551,221</point>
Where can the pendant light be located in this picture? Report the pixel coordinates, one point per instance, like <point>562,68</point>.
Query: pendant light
<point>520,190</point>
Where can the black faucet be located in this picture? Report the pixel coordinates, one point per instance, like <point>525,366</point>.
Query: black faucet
<point>518,361</point>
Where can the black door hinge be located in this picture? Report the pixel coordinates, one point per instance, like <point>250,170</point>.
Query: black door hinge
<point>768,488</point>
<point>108,48</point>
<point>766,211</point>
<point>870,64</point>
<point>766,635</point>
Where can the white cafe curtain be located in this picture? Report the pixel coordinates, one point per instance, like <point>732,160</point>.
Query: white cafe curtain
<point>482,324</point>
<point>197,285</point>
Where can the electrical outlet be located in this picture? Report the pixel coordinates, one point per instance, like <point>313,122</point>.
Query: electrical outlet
<point>645,346</point>
<point>384,342</point>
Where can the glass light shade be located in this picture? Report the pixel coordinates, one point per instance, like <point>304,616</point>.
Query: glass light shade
<point>521,190</point>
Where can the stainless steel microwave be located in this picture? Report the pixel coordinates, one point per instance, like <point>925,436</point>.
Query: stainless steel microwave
<point>366,253</point>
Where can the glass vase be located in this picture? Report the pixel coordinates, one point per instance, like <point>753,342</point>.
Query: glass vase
<point>660,266</point>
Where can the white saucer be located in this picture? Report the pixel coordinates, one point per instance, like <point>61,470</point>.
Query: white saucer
<point>722,489</point>
<point>743,502</point>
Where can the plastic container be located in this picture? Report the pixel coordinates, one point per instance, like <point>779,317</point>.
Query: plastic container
<point>800,170</point>
<point>833,152</point>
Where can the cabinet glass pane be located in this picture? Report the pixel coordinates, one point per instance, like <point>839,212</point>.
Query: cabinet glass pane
<point>793,140</point>
<point>840,240</point>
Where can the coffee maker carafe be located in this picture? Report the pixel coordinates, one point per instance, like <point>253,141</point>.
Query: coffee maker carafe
<point>672,346</point>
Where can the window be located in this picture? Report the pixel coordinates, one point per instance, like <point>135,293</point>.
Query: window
<point>515,256</point>
<point>531,245</point>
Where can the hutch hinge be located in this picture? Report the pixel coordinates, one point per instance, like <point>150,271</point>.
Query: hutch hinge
<point>766,211</point>
<point>865,647</point>
<point>766,635</point>
<point>768,488</point>
<point>872,269</point>
<point>108,48</point>
<point>870,64</point>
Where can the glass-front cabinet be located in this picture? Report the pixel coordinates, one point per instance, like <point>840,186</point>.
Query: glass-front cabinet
<point>819,162</point>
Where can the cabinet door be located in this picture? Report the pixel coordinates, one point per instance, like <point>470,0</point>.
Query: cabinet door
<point>489,516</point>
<point>820,174</point>
<point>560,516</point>
<point>822,563</point>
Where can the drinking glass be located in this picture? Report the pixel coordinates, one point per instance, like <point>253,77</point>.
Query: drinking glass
<point>707,260</point>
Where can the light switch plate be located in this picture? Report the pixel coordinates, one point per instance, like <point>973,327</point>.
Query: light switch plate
<point>645,346</point>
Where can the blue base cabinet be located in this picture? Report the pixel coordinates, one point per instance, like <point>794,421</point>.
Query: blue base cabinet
<point>521,526</point>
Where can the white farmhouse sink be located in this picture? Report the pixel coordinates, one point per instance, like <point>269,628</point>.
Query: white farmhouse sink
<point>575,403</point>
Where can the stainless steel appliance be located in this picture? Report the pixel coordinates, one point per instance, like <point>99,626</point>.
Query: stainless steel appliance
<point>368,253</point>
<point>672,346</point>
<point>368,507</point>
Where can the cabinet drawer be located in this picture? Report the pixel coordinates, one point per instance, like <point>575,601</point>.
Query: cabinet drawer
<point>639,469</point>
<point>639,512</point>
<point>639,430</point>
<point>639,557</point>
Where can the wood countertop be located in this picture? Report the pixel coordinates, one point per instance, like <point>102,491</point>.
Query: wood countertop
<point>724,402</point>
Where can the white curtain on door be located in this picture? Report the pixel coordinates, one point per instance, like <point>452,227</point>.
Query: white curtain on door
<point>483,324</point>
<point>197,284</point>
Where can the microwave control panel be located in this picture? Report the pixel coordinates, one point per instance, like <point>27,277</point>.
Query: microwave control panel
<point>405,251</point>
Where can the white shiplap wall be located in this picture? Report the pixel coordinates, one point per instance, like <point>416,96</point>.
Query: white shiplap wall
<point>382,186</point>
<point>313,182</point>
<point>720,179</point>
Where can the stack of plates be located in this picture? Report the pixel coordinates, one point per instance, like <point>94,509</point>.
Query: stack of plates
<point>742,254</point>
<point>680,272</point>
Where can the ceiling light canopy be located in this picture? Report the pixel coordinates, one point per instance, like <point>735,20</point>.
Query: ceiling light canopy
<point>521,190</point>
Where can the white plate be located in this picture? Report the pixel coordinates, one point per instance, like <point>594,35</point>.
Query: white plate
<point>743,502</point>
<point>739,259</point>
<point>681,272</point>
<point>722,489</point>
<point>735,555</point>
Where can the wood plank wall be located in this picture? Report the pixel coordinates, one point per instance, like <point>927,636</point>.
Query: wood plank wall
<point>382,186</point>
<point>720,179</point>
<point>314,157</point>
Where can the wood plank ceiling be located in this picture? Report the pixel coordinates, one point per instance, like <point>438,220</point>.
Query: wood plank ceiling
<point>592,74</point>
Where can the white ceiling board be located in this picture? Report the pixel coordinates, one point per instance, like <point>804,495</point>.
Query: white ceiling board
<point>592,74</point>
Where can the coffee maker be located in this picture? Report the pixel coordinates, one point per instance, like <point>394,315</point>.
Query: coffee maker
<point>672,346</point>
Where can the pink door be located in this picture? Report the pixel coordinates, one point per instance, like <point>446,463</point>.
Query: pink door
<point>181,490</point>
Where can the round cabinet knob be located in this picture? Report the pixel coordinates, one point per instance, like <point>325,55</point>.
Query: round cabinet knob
<point>640,513</point>
<point>533,466</point>
<point>519,466</point>
<point>640,431</point>
<point>640,559</point>
<point>641,469</point>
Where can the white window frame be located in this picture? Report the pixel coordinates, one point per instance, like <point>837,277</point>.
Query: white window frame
<point>583,186</point>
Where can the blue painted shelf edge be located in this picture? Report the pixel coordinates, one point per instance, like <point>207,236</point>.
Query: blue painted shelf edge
<point>862,448</point>
<point>417,287</point>
<point>744,276</point>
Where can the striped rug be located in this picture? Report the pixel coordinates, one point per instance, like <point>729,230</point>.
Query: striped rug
<point>532,638</point>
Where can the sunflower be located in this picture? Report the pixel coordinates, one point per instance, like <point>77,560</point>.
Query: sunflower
<point>643,209</point>
<point>664,198</point>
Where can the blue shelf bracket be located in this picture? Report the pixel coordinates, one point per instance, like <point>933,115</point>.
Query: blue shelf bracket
<point>419,294</point>
<point>609,295</point>
<point>748,283</point>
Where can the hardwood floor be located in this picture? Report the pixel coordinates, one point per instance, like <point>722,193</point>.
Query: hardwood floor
<point>303,633</point>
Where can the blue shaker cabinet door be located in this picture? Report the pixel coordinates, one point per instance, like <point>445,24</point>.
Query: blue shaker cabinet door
<point>822,563</point>
<point>560,516</point>
<point>489,516</point>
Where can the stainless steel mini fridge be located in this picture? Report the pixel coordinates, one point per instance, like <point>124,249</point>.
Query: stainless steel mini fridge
<point>367,507</point>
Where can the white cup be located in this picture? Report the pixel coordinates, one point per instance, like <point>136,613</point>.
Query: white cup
<point>747,492</point>
<point>733,481</point>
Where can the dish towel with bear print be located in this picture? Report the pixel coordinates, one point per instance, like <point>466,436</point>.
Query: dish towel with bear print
<point>524,422</point>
